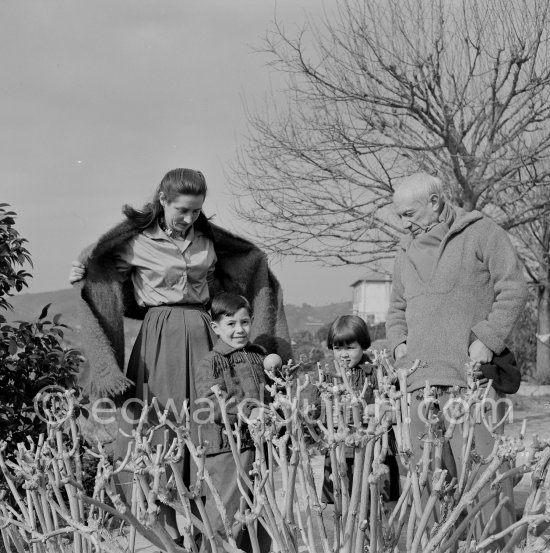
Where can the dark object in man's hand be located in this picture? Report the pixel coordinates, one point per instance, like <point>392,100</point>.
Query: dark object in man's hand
<point>503,371</point>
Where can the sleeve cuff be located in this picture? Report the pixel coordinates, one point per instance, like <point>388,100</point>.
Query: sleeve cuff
<point>483,332</point>
<point>395,343</point>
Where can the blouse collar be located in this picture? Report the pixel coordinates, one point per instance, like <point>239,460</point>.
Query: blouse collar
<point>156,233</point>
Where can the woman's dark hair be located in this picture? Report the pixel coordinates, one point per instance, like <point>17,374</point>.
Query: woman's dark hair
<point>228,304</point>
<point>174,183</point>
<point>347,329</point>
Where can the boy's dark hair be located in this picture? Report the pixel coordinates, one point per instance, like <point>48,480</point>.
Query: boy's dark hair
<point>228,304</point>
<point>347,329</point>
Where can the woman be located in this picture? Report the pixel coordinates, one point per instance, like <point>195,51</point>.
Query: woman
<point>165,260</point>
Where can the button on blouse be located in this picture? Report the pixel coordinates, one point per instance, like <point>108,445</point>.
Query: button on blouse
<point>166,271</point>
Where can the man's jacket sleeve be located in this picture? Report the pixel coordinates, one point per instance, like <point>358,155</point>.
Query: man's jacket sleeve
<point>510,288</point>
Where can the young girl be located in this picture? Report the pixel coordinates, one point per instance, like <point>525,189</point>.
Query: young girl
<point>348,338</point>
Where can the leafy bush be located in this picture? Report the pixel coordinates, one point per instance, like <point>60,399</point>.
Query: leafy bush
<point>309,350</point>
<point>523,341</point>
<point>32,357</point>
<point>32,354</point>
<point>12,254</point>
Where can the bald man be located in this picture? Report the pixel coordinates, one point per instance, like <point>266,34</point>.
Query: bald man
<point>458,290</point>
<point>458,287</point>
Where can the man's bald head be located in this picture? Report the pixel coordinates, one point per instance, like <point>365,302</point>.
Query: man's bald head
<point>418,200</point>
<point>420,186</point>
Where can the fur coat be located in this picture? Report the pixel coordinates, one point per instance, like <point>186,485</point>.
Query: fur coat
<point>103,302</point>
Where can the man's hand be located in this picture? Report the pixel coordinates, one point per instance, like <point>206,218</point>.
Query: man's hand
<point>479,376</point>
<point>400,351</point>
<point>479,352</point>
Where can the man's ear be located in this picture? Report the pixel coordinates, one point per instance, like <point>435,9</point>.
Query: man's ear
<point>435,202</point>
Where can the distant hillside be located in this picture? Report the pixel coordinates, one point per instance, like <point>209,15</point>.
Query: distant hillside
<point>28,306</point>
<point>302,318</point>
<point>309,317</point>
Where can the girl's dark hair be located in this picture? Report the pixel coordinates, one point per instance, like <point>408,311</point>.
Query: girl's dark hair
<point>347,329</point>
<point>228,304</point>
<point>174,183</point>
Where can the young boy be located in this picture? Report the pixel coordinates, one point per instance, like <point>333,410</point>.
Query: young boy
<point>236,367</point>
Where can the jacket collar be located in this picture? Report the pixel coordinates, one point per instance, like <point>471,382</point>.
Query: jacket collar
<point>225,349</point>
<point>462,220</point>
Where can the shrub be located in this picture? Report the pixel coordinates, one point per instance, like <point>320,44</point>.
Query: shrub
<point>308,349</point>
<point>32,357</point>
<point>523,341</point>
<point>12,254</point>
<point>32,354</point>
<point>280,493</point>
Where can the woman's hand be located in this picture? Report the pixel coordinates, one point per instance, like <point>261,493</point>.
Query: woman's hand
<point>78,272</point>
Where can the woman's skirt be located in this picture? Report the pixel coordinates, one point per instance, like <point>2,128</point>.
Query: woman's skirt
<point>170,345</point>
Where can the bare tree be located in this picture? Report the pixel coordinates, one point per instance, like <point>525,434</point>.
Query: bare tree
<point>532,239</point>
<point>388,87</point>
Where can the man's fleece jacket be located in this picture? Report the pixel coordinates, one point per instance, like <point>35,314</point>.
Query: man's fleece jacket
<point>103,301</point>
<point>239,373</point>
<point>476,290</point>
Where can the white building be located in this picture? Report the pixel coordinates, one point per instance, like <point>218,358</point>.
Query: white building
<point>371,297</point>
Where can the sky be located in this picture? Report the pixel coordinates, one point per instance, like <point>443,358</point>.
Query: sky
<point>98,100</point>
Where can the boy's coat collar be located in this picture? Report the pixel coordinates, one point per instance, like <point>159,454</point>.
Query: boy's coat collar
<point>226,349</point>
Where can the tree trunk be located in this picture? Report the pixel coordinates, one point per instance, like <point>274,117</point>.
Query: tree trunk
<point>542,371</point>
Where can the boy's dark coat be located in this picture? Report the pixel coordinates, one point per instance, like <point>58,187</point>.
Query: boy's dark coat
<point>239,373</point>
